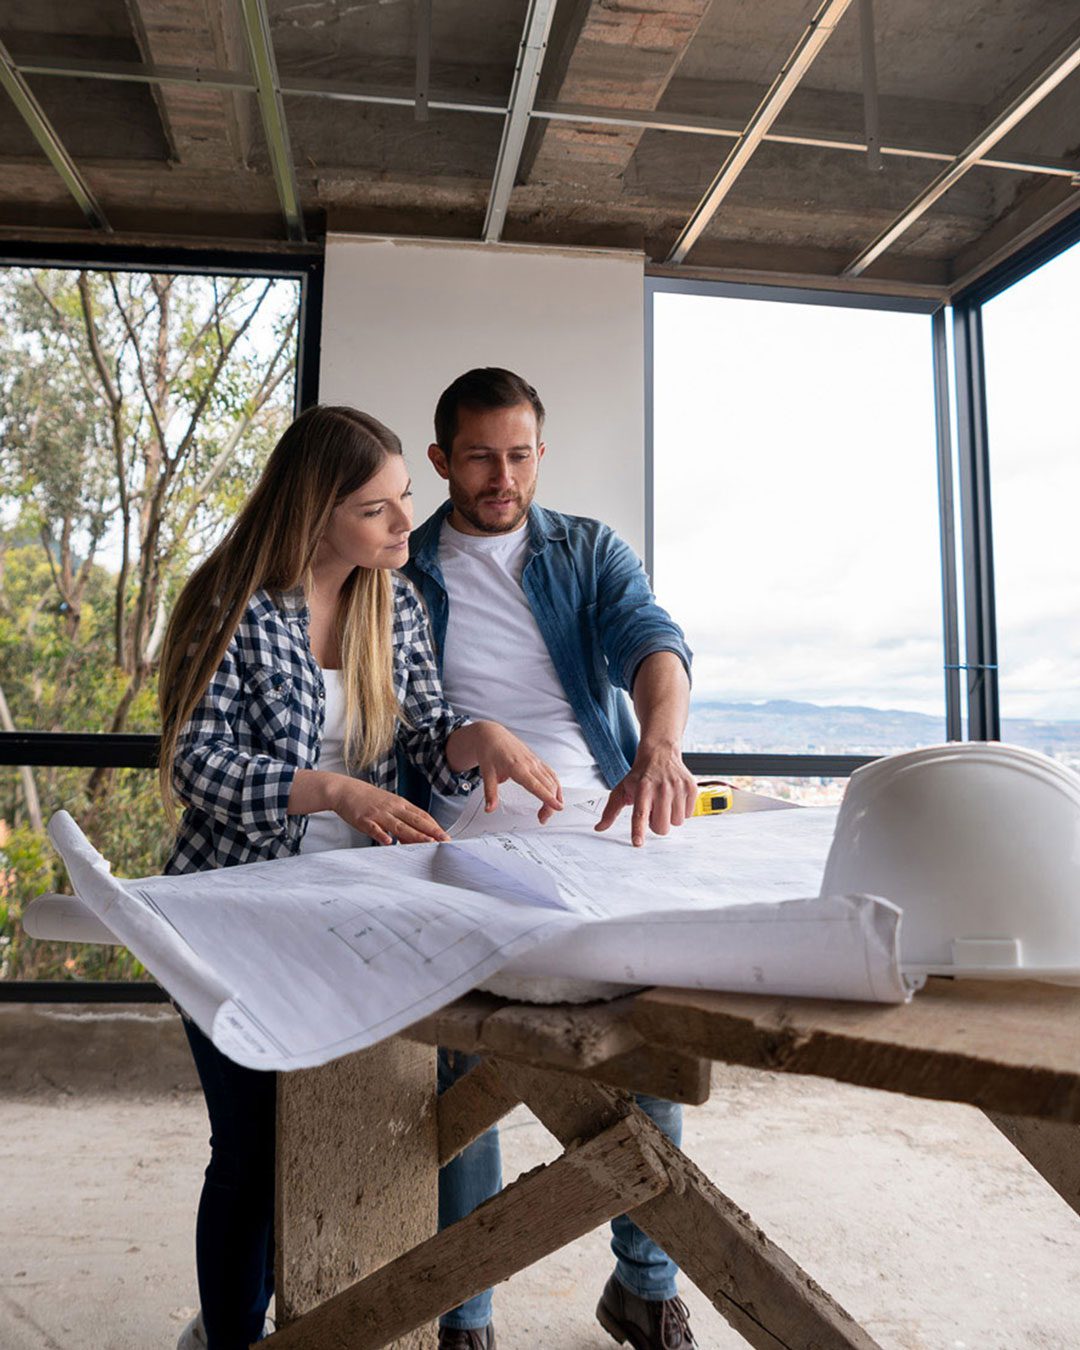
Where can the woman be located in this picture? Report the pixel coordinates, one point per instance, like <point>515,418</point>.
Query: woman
<point>296,666</point>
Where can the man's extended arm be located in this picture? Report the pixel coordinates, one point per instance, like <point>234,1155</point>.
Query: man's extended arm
<point>658,787</point>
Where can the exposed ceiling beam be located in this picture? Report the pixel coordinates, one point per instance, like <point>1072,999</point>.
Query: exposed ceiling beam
<point>1059,68</point>
<point>522,95</point>
<point>624,56</point>
<point>1035,213</point>
<point>44,133</point>
<point>272,111</point>
<point>818,32</point>
<point>206,123</point>
<point>646,119</point>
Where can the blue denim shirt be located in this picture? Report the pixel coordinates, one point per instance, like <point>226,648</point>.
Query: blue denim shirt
<point>595,610</point>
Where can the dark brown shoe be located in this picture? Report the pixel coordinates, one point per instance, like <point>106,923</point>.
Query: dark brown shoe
<point>478,1338</point>
<point>647,1325</point>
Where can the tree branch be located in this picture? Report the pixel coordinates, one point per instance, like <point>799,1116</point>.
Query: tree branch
<point>139,368</point>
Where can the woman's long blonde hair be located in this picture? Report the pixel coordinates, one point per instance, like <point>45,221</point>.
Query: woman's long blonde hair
<point>326,454</point>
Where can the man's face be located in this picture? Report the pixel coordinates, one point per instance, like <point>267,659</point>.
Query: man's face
<point>491,470</point>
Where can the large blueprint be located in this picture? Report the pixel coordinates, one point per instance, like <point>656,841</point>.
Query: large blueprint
<point>288,964</point>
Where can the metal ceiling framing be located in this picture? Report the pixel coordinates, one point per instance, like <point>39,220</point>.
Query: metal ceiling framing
<point>32,113</point>
<point>1064,62</point>
<point>423,58</point>
<point>689,124</point>
<point>820,28</point>
<point>522,96</point>
<point>272,112</point>
<point>871,102</point>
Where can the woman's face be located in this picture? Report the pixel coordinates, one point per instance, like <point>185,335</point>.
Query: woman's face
<point>370,527</point>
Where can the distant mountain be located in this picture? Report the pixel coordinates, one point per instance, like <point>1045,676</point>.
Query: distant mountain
<point>785,726</point>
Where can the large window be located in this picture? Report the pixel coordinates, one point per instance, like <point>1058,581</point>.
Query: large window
<point>1032,356</point>
<point>136,409</point>
<point>796,520</point>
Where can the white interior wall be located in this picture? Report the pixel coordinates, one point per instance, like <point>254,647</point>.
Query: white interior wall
<point>401,320</point>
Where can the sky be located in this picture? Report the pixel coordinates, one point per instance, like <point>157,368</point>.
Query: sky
<point>796,516</point>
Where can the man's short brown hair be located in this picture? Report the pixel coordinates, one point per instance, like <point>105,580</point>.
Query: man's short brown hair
<point>481,390</point>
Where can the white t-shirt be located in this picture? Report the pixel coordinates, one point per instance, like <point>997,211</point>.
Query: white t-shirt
<point>325,829</point>
<point>496,665</point>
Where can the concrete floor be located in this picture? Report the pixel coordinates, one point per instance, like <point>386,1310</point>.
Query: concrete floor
<point>918,1217</point>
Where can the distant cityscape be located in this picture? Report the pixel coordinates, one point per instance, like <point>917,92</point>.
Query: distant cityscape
<point>783,726</point>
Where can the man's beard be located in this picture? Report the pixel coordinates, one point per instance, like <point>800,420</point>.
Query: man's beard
<point>467,507</point>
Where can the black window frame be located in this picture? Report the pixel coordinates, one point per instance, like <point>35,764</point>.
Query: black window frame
<point>973,445</point>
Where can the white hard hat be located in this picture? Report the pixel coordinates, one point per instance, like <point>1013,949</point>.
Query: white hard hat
<point>979,844</point>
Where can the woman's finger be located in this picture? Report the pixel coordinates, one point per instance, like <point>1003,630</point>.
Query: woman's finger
<point>406,834</point>
<point>419,820</point>
<point>373,828</point>
<point>539,784</point>
<point>491,787</point>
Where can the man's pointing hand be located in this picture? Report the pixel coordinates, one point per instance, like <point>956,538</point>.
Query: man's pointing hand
<point>659,789</point>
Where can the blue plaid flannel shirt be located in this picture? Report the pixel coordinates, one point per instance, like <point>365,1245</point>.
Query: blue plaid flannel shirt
<point>261,719</point>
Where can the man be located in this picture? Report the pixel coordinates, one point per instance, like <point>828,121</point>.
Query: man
<point>541,620</point>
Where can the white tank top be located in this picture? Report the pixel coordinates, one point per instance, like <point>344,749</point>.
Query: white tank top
<point>326,829</point>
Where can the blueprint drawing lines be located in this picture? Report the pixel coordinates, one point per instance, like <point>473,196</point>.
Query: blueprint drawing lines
<point>428,928</point>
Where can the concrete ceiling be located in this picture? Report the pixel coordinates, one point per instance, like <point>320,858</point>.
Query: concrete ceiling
<point>140,119</point>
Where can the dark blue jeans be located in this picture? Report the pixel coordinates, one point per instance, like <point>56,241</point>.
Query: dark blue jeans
<point>475,1175</point>
<point>234,1233</point>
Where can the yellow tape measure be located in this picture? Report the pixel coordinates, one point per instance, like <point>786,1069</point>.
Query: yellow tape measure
<point>713,798</point>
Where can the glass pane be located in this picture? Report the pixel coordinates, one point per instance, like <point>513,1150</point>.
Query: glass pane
<point>136,411</point>
<point>1032,357</point>
<point>120,811</point>
<point>796,522</point>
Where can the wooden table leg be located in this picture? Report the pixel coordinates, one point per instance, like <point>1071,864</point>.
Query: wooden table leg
<point>357,1173</point>
<point>539,1213</point>
<point>616,1160</point>
<point>1051,1146</point>
<point>756,1286</point>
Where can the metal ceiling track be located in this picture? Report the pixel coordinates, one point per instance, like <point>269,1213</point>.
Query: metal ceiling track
<point>423,59</point>
<point>272,112</point>
<point>689,124</point>
<point>44,133</point>
<point>1060,68</point>
<point>820,29</point>
<point>522,97</point>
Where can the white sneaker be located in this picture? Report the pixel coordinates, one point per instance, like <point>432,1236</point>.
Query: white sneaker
<point>193,1336</point>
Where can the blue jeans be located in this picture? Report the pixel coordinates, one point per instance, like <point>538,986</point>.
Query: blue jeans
<point>234,1232</point>
<point>475,1175</point>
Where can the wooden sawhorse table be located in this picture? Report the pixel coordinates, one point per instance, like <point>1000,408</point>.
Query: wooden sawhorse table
<point>360,1264</point>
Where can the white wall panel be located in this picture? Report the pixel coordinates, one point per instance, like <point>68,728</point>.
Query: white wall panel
<point>401,320</point>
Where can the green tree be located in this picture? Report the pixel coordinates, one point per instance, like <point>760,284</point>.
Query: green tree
<point>136,410</point>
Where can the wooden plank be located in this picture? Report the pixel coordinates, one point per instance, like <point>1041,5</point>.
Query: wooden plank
<point>768,1299</point>
<point>598,1040</point>
<point>1051,1146</point>
<point>469,1107</point>
<point>537,1214</point>
<point>659,1071</point>
<point>559,1035</point>
<point>357,1173</point>
<point>1008,1046</point>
